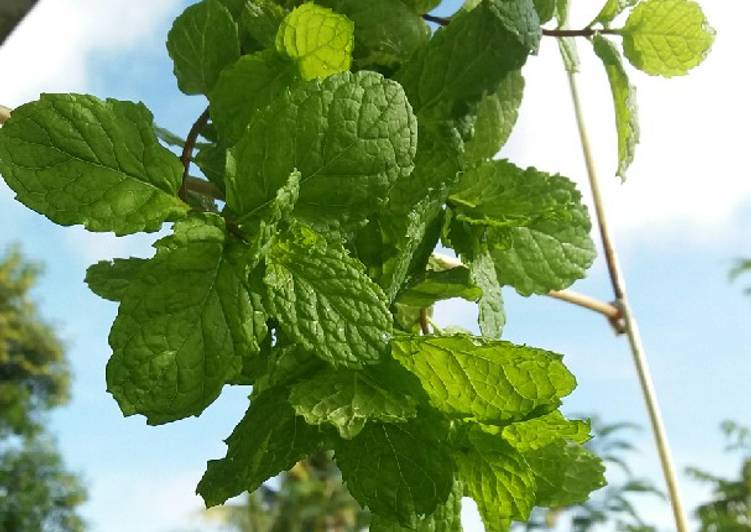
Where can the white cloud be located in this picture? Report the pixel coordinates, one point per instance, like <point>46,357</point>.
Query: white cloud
<point>50,48</point>
<point>691,170</point>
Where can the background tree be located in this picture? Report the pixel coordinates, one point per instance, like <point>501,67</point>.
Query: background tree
<point>36,492</point>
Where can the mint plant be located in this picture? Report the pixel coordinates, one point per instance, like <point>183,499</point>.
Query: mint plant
<point>343,141</point>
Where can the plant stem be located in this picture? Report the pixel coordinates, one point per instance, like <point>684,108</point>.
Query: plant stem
<point>442,21</point>
<point>424,321</point>
<point>187,154</point>
<point>207,188</point>
<point>632,330</point>
<point>4,114</point>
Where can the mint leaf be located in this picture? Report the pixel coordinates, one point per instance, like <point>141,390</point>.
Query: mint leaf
<point>538,227</point>
<point>541,431</point>
<point>351,136</point>
<point>110,280</point>
<point>432,286</point>
<point>494,382</point>
<point>471,55</point>
<point>497,477</point>
<point>446,518</point>
<point>212,160</point>
<point>491,317</point>
<point>545,9</point>
<point>496,117</point>
<point>184,324</point>
<point>565,473</point>
<point>325,301</point>
<point>612,9</point>
<point>281,365</point>
<point>269,439</point>
<point>347,399</point>
<point>399,471</point>
<point>317,39</point>
<point>80,160</point>
<point>666,37</point>
<point>422,6</point>
<point>569,54</point>
<point>203,40</point>
<point>243,88</point>
<point>387,32</point>
<point>624,99</point>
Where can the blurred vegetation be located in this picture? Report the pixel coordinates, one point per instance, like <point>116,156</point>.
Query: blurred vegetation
<point>36,492</point>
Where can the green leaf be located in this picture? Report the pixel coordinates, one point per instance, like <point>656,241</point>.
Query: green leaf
<point>387,32</point>
<point>203,40</point>
<point>432,286</point>
<point>269,439</point>
<point>399,471</point>
<point>538,227</point>
<point>666,37</point>
<point>110,280</point>
<point>446,518</point>
<point>565,473</point>
<point>496,117</point>
<point>545,9</point>
<point>317,39</point>
<point>624,99</point>
<point>212,160</point>
<point>80,160</point>
<point>482,273</point>
<point>348,399</point>
<point>184,324</point>
<point>351,136</point>
<point>252,83</point>
<point>539,432</point>
<point>422,6</point>
<point>569,53</point>
<point>497,477</point>
<point>612,9</point>
<point>494,382</point>
<point>561,12</point>
<point>325,301</point>
<point>168,137</point>
<point>471,55</point>
<point>261,20</point>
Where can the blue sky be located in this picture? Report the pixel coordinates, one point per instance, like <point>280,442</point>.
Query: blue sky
<point>681,220</point>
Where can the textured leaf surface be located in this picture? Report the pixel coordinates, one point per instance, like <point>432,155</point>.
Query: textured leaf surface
<point>471,55</point>
<point>243,88</point>
<point>110,280</point>
<point>317,39</point>
<point>446,518</point>
<point>351,137</point>
<point>492,381</point>
<point>326,302</point>
<point>565,473</point>
<point>498,478</point>
<point>539,432</point>
<point>80,160</point>
<point>184,325</point>
<point>539,229</point>
<point>399,471</point>
<point>387,32</point>
<point>269,439</point>
<point>203,40</point>
<point>496,117</point>
<point>491,316</point>
<point>612,9</point>
<point>433,286</point>
<point>347,399</point>
<point>624,99</point>
<point>666,37</point>
<point>261,20</point>
<point>545,9</point>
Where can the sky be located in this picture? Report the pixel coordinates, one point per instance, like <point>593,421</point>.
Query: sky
<point>680,220</point>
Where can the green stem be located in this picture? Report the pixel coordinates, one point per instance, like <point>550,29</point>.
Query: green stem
<point>629,320</point>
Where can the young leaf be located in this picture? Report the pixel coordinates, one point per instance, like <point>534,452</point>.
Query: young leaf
<point>268,440</point>
<point>243,88</point>
<point>497,477</point>
<point>80,160</point>
<point>184,324</point>
<point>351,136</point>
<point>110,280</point>
<point>496,117</point>
<point>203,40</point>
<point>491,315</point>
<point>347,399</point>
<point>666,37</point>
<point>399,471</point>
<point>432,286</point>
<point>317,39</point>
<point>325,302</point>
<point>624,99</point>
<point>538,228</point>
<point>565,473</point>
<point>387,32</point>
<point>494,382</point>
<point>471,55</point>
<point>612,9</point>
<point>569,54</point>
<point>540,432</point>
